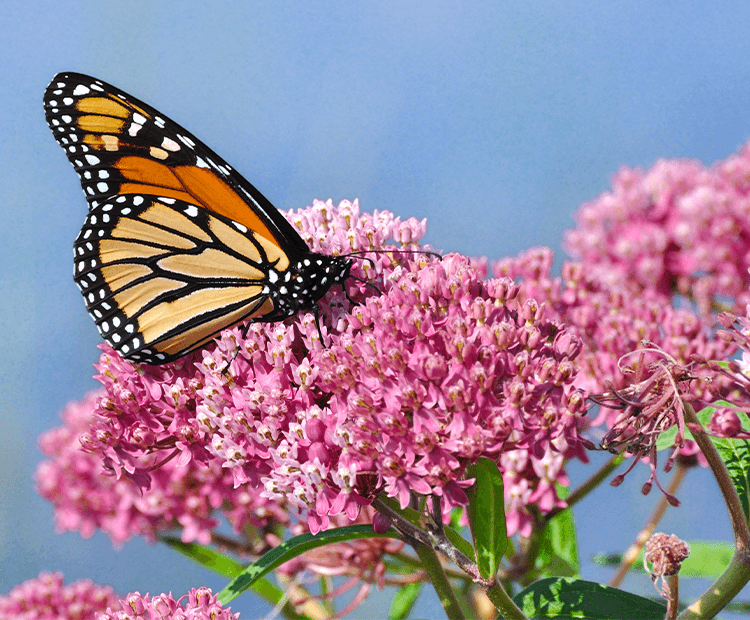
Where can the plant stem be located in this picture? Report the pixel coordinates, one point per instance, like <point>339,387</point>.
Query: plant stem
<point>715,462</point>
<point>737,574</point>
<point>673,603</point>
<point>503,603</point>
<point>431,564</point>
<point>440,543</point>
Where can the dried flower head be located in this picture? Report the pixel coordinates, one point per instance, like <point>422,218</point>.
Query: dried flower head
<point>665,554</point>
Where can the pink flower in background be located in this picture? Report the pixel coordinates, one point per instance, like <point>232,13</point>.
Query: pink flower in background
<point>87,499</point>
<point>46,597</point>
<point>198,604</point>
<point>612,322</point>
<point>677,228</point>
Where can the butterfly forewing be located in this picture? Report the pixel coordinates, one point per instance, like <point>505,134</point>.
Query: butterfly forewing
<point>176,246</point>
<point>120,145</point>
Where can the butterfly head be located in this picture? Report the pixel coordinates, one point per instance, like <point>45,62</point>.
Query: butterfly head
<point>306,283</point>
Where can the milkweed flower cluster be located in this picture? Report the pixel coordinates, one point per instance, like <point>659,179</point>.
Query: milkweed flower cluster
<point>612,323</point>
<point>188,498</point>
<point>432,371</point>
<point>180,496</point>
<point>198,604</point>
<point>678,227</point>
<point>46,597</point>
<point>638,392</point>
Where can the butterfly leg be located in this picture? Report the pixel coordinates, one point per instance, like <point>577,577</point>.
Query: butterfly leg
<point>316,313</point>
<point>244,330</point>
<point>363,281</point>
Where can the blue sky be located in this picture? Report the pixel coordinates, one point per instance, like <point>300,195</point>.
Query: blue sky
<point>493,120</point>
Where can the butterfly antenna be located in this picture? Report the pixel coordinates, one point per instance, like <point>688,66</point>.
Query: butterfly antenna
<point>393,251</point>
<point>225,370</point>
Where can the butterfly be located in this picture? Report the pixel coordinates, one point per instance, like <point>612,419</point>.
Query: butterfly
<point>177,245</point>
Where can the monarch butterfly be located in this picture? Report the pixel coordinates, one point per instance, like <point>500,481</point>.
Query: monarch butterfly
<point>176,245</point>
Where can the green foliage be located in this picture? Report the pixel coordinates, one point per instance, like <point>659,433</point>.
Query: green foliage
<point>227,567</point>
<point>404,600</point>
<point>458,541</point>
<point>575,598</point>
<point>486,512</point>
<point>205,556</point>
<point>291,549</point>
<point>558,548</point>
<point>736,456</point>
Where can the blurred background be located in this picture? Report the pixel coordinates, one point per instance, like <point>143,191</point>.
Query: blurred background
<point>493,120</point>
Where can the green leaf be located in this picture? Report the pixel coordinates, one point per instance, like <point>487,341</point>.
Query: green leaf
<point>666,439</point>
<point>403,601</point>
<point>291,549</point>
<point>205,556</point>
<point>463,545</point>
<point>486,512</point>
<point>558,548</point>
<point>575,598</point>
<point>455,521</point>
<point>708,559</point>
<point>227,567</point>
<point>736,456</point>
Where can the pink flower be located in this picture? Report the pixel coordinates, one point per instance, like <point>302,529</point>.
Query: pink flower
<point>198,604</point>
<point>677,228</point>
<point>611,322</point>
<point>433,368</point>
<point>47,598</point>
<point>184,496</point>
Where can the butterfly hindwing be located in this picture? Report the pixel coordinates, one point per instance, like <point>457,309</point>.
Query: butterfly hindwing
<point>162,277</point>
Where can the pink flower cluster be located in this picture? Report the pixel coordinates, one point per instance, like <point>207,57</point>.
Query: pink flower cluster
<point>678,227</point>
<point>433,369</point>
<point>612,322</point>
<point>188,498</point>
<point>181,496</point>
<point>46,597</point>
<point>198,604</point>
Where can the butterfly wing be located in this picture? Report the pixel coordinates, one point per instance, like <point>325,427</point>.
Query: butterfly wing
<point>162,277</point>
<point>119,145</point>
<point>177,245</point>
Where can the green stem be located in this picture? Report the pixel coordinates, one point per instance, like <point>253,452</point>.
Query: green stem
<point>503,603</point>
<point>724,480</point>
<point>737,574</point>
<point>433,568</point>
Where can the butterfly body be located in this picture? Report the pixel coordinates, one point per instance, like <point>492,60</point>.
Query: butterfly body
<point>176,245</point>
